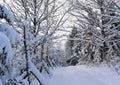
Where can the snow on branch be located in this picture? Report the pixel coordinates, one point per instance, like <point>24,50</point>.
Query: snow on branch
<point>10,32</point>
<point>5,47</point>
<point>37,73</point>
<point>6,14</point>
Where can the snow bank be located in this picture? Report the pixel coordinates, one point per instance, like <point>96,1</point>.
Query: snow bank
<point>83,75</point>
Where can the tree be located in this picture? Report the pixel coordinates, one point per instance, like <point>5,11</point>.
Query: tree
<point>39,22</point>
<point>8,38</point>
<point>98,21</point>
<point>74,46</point>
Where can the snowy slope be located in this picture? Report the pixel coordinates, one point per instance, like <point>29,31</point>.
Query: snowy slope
<point>83,75</point>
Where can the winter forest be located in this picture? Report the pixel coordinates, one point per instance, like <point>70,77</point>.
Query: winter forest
<point>59,42</point>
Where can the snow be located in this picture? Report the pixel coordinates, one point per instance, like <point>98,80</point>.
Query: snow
<point>10,32</point>
<point>5,43</point>
<point>34,82</point>
<point>83,75</point>
<point>37,73</point>
<point>13,36</point>
<point>7,14</point>
<point>1,82</point>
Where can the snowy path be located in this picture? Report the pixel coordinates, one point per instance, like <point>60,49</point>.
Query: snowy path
<point>82,75</point>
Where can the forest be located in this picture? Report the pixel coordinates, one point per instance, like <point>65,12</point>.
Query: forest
<point>38,36</point>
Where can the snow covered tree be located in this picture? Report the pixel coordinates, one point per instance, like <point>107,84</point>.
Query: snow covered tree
<point>8,38</point>
<point>74,46</point>
<point>98,21</point>
<point>38,21</point>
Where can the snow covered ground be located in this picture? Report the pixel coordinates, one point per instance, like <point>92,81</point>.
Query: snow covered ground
<point>83,75</point>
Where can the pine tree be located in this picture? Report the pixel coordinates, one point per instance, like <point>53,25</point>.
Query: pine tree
<point>74,45</point>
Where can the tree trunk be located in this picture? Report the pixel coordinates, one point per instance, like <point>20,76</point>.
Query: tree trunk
<point>103,49</point>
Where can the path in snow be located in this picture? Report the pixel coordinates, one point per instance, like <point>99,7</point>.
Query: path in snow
<point>83,75</point>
